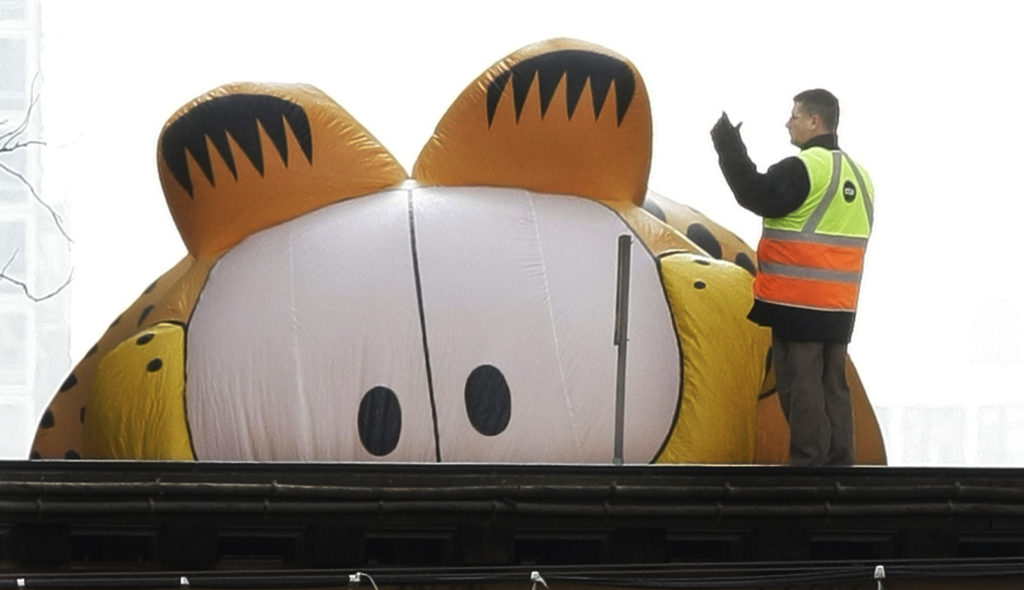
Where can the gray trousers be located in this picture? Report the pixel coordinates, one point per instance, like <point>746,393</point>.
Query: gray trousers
<point>815,399</point>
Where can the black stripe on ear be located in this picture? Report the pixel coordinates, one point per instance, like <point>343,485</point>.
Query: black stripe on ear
<point>577,66</point>
<point>239,115</point>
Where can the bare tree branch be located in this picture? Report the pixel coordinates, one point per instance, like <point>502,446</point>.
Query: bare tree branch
<point>23,144</point>
<point>12,140</point>
<point>8,136</point>
<point>35,195</point>
<point>24,287</point>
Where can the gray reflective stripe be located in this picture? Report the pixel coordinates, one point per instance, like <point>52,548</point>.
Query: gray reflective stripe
<point>804,272</point>
<point>794,236</point>
<point>869,205</point>
<point>833,187</point>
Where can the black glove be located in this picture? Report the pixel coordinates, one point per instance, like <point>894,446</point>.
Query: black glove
<point>724,135</point>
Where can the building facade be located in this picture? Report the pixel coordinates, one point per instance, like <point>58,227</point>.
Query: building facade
<point>34,246</point>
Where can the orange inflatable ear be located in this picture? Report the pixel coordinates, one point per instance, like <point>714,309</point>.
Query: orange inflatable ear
<point>244,157</point>
<point>561,116</point>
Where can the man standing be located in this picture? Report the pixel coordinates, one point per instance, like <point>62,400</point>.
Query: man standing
<point>818,211</point>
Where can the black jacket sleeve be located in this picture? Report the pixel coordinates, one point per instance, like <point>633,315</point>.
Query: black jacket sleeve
<point>777,192</point>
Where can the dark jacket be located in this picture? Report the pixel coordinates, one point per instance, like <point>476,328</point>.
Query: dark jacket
<point>776,193</point>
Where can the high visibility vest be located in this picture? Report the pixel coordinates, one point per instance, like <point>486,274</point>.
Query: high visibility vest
<point>813,257</point>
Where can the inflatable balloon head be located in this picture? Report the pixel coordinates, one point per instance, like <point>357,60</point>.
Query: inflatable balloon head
<point>511,301</point>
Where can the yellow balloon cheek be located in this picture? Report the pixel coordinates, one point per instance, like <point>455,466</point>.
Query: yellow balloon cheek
<point>723,361</point>
<point>137,406</point>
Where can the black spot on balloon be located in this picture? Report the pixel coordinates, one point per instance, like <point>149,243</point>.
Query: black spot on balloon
<point>150,288</point>
<point>703,237</point>
<point>72,454</point>
<point>380,421</point>
<point>699,285</point>
<point>93,350</point>
<point>81,415</point>
<point>115,322</point>
<point>145,313</point>
<point>70,382</point>
<point>35,455</point>
<point>47,420</point>
<point>155,365</point>
<point>702,261</point>
<point>653,208</point>
<point>145,338</point>
<point>746,263</point>
<point>488,400</point>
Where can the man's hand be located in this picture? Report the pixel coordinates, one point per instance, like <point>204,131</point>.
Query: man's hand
<point>724,135</point>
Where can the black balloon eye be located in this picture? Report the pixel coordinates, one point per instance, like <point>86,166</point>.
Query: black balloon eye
<point>380,421</point>
<point>488,401</point>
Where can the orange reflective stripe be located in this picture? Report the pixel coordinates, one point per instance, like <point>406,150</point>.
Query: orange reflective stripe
<point>811,255</point>
<point>809,293</point>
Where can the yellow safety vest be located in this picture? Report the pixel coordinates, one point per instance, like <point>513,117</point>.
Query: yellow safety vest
<point>814,257</point>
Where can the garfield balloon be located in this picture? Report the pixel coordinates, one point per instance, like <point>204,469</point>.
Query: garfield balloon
<point>509,301</point>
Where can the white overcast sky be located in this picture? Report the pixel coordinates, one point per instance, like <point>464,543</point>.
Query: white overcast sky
<point>930,93</point>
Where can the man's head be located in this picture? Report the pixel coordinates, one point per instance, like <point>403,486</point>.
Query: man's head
<point>815,112</point>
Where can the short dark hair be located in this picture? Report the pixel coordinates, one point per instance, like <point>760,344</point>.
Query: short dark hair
<point>823,103</point>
